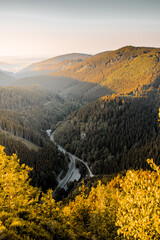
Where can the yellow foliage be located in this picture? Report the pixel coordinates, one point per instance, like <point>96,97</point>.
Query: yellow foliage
<point>138,215</point>
<point>132,74</point>
<point>159,115</point>
<point>24,214</point>
<point>127,207</point>
<point>93,215</point>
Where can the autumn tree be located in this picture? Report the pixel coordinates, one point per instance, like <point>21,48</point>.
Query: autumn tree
<point>25,213</point>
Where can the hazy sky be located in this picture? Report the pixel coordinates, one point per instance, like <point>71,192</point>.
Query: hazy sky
<point>52,27</point>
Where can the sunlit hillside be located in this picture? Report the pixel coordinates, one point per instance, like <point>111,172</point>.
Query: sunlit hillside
<point>51,65</point>
<point>122,71</point>
<point>125,71</point>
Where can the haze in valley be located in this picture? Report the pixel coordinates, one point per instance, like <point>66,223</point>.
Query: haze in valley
<point>43,29</point>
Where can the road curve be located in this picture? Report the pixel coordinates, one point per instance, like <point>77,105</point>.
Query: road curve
<point>86,164</point>
<point>71,166</point>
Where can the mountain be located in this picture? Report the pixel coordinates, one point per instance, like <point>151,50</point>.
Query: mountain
<point>114,133</point>
<point>51,65</point>
<point>38,74</point>
<point>6,78</point>
<point>118,128</point>
<point>124,71</point>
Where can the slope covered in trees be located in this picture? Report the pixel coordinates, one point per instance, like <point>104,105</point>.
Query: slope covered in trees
<point>114,133</point>
<point>47,162</point>
<point>122,71</point>
<point>25,115</point>
<point>66,86</point>
<point>126,70</point>
<point>51,65</point>
<point>34,111</point>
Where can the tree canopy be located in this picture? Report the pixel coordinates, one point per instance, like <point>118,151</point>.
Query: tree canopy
<point>126,207</point>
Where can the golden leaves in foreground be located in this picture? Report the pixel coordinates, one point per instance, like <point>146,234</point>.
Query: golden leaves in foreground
<point>24,213</point>
<point>127,207</point>
<point>138,215</point>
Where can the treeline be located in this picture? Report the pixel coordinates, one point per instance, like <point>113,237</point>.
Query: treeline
<point>114,133</point>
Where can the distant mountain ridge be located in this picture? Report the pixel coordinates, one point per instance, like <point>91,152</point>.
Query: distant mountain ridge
<point>51,65</point>
<point>124,71</point>
<point>121,71</point>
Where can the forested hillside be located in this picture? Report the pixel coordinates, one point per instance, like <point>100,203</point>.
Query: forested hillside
<point>51,65</point>
<point>46,161</point>
<point>29,110</point>
<point>114,133</point>
<point>124,71</point>
<point>25,115</point>
<point>103,133</point>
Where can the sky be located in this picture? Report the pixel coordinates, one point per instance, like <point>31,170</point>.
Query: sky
<point>46,28</point>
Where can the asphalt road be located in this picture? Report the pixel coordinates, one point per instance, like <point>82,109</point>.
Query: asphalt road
<point>71,167</point>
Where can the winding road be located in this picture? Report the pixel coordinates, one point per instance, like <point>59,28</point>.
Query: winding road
<point>71,166</point>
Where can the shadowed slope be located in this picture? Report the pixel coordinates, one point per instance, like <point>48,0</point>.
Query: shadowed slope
<point>124,71</point>
<point>5,79</point>
<point>66,86</point>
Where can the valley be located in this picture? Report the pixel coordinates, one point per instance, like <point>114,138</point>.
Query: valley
<point>96,102</point>
<point>87,128</point>
<point>73,172</point>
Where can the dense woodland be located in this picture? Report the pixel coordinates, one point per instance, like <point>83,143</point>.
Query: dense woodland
<point>46,161</point>
<point>25,114</point>
<point>36,109</point>
<point>120,72</point>
<point>114,133</point>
